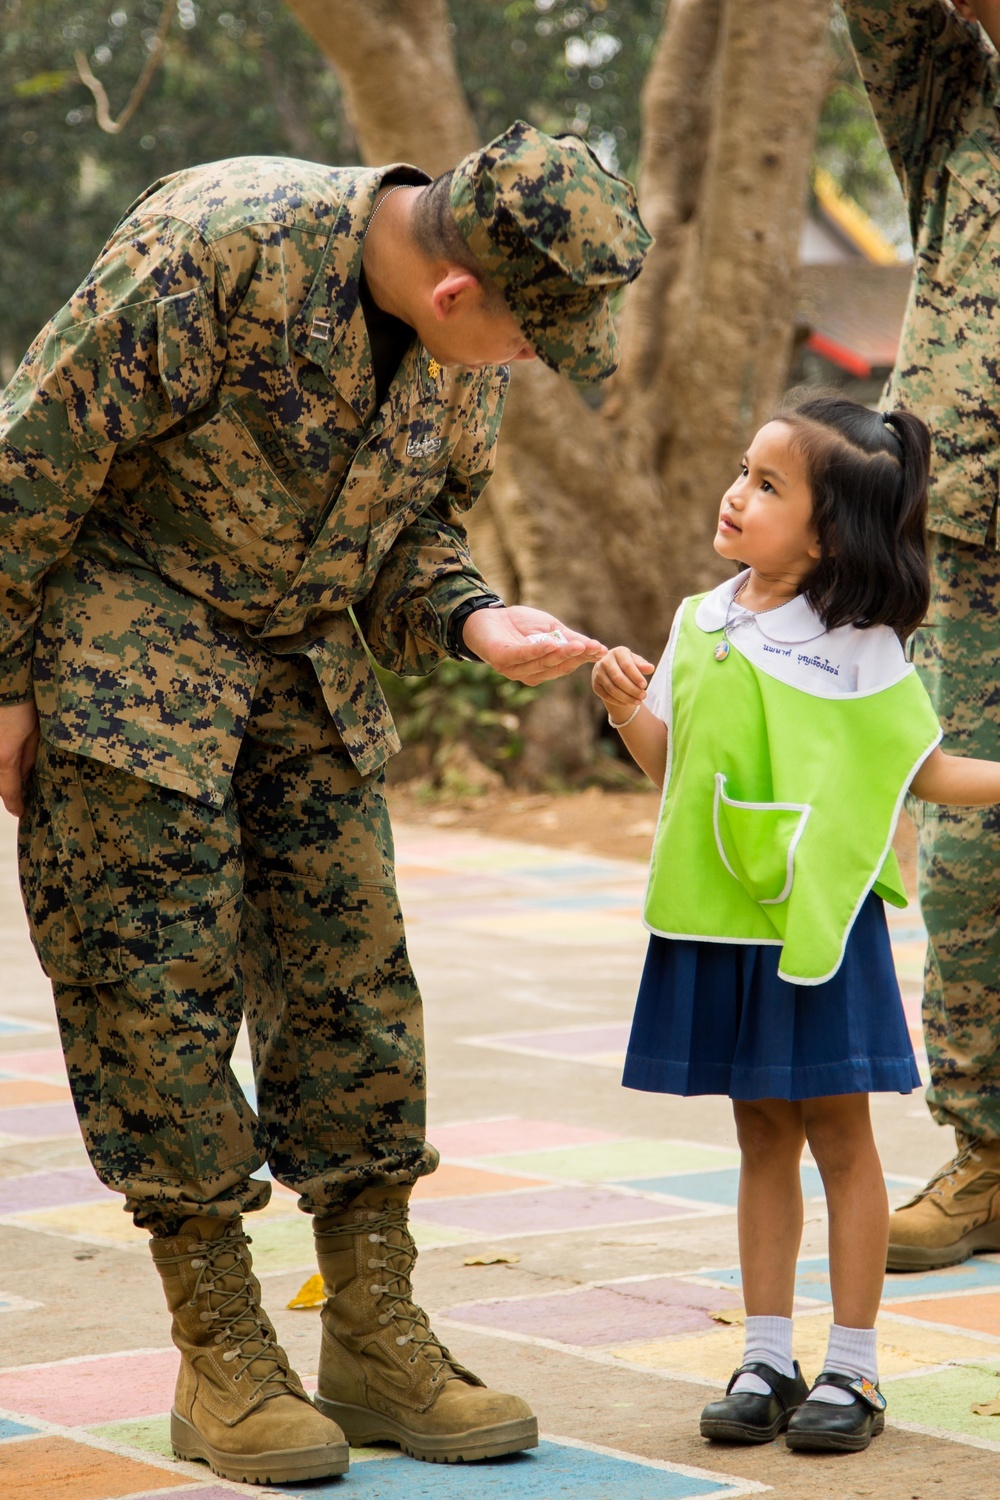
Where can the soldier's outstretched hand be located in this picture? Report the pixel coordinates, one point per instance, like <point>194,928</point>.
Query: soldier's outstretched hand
<point>528,645</point>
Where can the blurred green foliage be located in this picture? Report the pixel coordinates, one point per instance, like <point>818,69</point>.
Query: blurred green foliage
<point>461,704</point>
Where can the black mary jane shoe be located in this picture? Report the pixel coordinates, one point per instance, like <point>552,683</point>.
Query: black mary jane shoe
<point>747,1417</point>
<point>821,1427</point>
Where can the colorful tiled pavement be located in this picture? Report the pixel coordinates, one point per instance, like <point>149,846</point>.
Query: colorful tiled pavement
<point>553,1184</point>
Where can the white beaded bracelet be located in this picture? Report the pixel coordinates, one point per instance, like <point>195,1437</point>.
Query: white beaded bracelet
<point>627,721</point>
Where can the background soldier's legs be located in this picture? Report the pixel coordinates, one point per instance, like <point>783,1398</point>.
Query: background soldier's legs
<point>958,655</point>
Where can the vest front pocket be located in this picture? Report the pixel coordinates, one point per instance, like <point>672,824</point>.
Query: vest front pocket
<point>757,842</point>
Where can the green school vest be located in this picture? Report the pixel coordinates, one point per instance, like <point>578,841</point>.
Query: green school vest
<point>779,806</point>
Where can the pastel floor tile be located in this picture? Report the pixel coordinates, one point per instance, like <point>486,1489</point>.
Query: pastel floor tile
<point>813,1279</point>
<point>978,1274</point>
<point>722,1187</point>
<point>902,1349</point>
<point>147,1434</point>
<point>17,1091</point>
<point>481,1138</point>
<point>567,1042</point>
<point>38,1122</point>
<point>620,1160</point>
<point>452,1181</point>
<point>10,1027</point>
<point>10,1429</point>
<point>544,1211</point>
<point>551,1470</point>
<point>38,1190</point>
<point>979,1312</point>
<point>45,1064</point>
<point>945,1400</point>
<point>55,1467</point>
<point>85,1392</point>
<point>604,1314</point>
<point>557,928</point>
<point>106,1222</point>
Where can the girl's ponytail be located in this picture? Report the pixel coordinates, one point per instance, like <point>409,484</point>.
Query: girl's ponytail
<point>868,473</point>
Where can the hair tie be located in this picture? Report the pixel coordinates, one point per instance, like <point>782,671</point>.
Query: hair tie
<point>887,423</point>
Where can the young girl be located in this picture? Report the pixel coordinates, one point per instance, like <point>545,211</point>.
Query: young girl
<point>786,726</point>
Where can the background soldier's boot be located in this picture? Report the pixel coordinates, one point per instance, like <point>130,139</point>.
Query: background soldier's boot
<point>238,1405</point>
<point>956,1214</point>
<point>382,1374</point>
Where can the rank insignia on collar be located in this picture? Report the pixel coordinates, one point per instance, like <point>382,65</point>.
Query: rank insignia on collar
<point>433,368</point>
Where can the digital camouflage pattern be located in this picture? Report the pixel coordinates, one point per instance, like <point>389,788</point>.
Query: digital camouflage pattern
<point>934,84</point>
<point>161,920</point>
<point>194,477</point>
<point>958,654</point>
<point>558,233</point>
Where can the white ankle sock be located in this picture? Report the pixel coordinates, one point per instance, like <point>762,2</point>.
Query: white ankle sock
<point>851,1351</point>
<point>768,1342</point>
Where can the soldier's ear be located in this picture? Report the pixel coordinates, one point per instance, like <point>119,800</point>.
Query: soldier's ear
<point>456,290</point>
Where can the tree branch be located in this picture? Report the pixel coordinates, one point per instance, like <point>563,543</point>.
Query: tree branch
<point>401,87</point>
<point>96,87</point>
<point>676,128</point>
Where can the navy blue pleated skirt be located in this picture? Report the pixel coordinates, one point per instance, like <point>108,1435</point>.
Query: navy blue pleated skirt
<point>714,1018</point>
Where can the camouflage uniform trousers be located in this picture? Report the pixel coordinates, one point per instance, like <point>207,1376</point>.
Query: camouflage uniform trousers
<point>162,921</point>
<point>957,652</point>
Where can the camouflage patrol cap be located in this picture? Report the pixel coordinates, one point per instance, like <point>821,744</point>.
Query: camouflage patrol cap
<point>557,233</point>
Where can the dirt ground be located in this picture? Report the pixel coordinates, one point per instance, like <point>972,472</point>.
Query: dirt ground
<point>617,825</point>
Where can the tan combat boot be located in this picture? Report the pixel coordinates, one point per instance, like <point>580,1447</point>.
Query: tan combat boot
<point>238,1405</point>
<point>956,1214</point>
<point>383,1376</point>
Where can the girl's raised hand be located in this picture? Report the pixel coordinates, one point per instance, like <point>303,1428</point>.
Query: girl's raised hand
<point>619,678</point>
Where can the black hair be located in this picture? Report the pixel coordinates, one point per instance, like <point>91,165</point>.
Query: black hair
<point>438,237</point>
<point>868,474</point>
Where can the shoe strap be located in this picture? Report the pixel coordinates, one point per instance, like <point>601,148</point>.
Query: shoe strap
<point>856,1384</point>
<point>770,1376</point>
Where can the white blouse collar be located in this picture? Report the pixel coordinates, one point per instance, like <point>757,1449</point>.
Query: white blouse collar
<point>791,624</point>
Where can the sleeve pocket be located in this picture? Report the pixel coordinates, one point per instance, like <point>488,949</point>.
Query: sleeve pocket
<point>757,842</point>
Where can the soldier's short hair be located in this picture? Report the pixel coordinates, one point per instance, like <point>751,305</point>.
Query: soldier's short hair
<point>437,236</point>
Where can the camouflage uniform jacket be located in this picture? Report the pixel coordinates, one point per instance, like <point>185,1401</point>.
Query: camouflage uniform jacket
<point>934,84</point>
<point>194,472</point>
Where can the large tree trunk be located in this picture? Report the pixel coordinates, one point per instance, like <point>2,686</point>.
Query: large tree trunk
<point>604,511</point>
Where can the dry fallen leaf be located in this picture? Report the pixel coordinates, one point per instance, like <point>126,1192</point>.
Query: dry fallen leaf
<point>987,1408</point>
<point>728,1315</point>
<point>502,1258</point>
<point>311,1294</point>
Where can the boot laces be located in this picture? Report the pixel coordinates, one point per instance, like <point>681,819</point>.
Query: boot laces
<point>395,1290</point>
<point>948,1173</point>
<point>224,1278</point>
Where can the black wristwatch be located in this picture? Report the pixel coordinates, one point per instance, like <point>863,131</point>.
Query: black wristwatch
<point>458,617</point>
